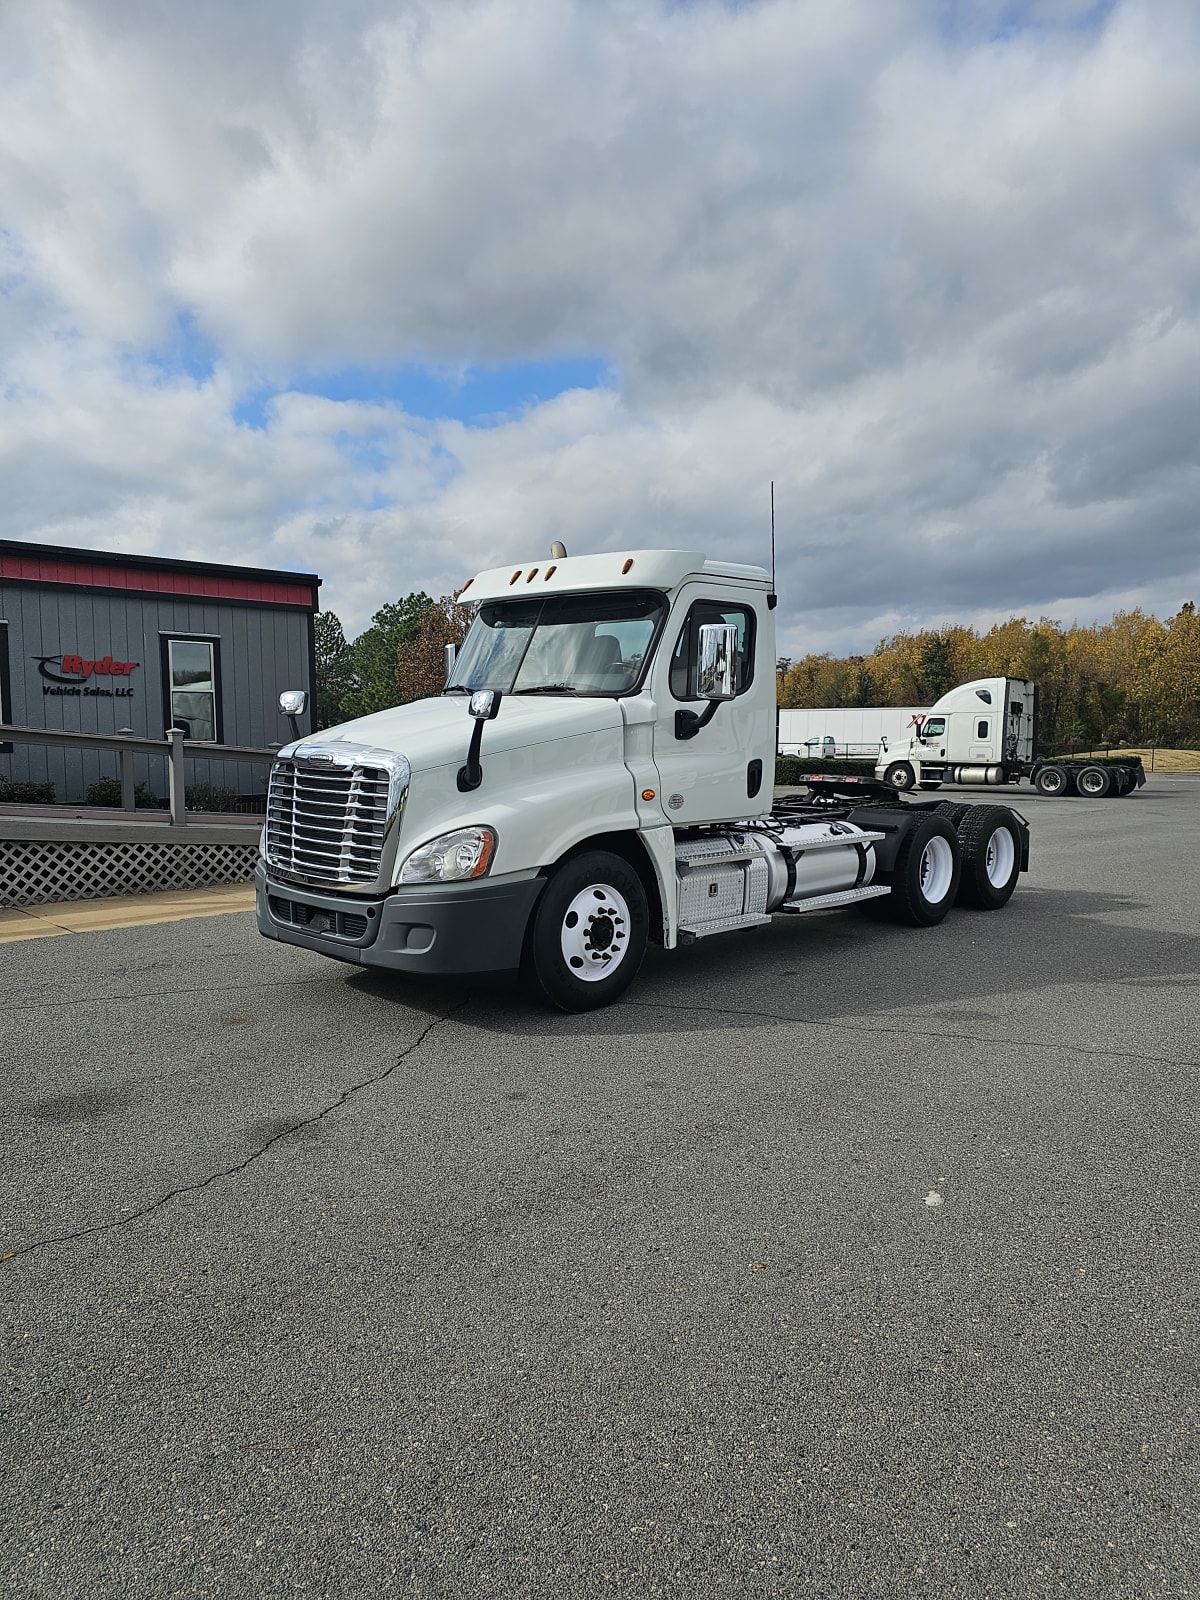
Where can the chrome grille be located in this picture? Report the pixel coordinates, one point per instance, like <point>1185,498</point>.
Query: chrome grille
<point>329,810</point>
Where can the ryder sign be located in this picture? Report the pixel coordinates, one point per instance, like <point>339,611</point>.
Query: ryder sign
<point>70,674</point>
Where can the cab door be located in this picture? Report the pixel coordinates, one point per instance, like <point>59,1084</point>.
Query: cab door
<point>726,770</point>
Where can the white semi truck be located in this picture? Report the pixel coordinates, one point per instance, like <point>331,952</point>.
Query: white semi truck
<point>985,732</point>
<point>596,776</point>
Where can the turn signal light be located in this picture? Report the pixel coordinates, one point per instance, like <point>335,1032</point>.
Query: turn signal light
<point>647,794</point>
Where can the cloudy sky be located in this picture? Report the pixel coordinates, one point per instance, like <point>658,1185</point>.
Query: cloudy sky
<point>392,290</point>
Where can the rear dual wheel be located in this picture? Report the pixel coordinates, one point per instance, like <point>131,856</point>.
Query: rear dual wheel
<point>990,839</point>
<point>925,877</point>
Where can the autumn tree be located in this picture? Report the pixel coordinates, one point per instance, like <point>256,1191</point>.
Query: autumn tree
<point>420,660</point>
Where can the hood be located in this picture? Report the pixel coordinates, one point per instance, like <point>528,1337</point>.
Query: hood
<point>436,732</point>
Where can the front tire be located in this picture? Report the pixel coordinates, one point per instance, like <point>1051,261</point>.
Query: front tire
<point>588,934</point>
<point>991,857</point>
<point>900,775</point>
<point>924,880</point>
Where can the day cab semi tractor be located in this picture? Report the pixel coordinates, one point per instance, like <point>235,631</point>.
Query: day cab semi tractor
<point>986,732</point>
<point>597,775</point>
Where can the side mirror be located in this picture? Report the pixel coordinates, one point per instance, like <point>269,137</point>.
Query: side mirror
<point>716,661</point>
<point>716,676</point>
<point>293,703</point>
<point>484,705</point>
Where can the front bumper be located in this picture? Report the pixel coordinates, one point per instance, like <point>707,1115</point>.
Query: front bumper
<point>439,929</point>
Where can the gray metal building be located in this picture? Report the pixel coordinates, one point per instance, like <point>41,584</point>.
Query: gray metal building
<point>97,642</point>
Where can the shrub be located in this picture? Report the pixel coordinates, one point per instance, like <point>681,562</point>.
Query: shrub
<point>108,793</point>
<point>26,794</point>
<point>204,797</point>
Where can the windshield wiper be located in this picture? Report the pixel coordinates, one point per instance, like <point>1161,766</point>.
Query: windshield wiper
<point>548,688</point>
<point>456,688</point>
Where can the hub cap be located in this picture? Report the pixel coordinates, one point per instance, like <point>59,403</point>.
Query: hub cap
<point>1001,854</point>
<point>937,870</point>
<point>595,932</point>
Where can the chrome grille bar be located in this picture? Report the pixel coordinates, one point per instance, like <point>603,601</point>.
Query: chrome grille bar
<point>332,811</point>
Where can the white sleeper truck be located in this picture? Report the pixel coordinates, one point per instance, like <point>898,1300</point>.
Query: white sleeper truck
<point>597,776</point>
<point>985,732</point>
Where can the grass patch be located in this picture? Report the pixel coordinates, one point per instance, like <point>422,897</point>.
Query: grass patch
<point>1164,760</point>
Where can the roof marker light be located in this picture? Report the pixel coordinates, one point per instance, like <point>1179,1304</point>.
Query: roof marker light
<point>550,571</point>
<point>533,572</point>
<point>627,566</point>
<point>513,579</point>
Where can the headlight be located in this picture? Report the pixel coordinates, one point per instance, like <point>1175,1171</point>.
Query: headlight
<point>465,853</point>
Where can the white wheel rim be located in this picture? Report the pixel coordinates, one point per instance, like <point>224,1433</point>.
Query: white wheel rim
<point>595,932</point>
<point>1091,782</point>
<point>1000,859</point>
<point>937,870</point>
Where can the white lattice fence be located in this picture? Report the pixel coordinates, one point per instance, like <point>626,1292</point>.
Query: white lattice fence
<point>32,873</point>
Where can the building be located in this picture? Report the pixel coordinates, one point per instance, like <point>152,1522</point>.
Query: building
<point>96,642</point>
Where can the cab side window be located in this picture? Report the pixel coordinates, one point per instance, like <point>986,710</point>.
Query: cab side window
<point>683,659</point>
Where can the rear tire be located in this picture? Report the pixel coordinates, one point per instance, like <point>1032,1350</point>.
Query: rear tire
<point>924,880</point>
<point>588,934</point>
<point>952,810</point>
<point>991,858</point>
<point>1093,782</point>
<point>1052,781</point>
<point>900,775</point>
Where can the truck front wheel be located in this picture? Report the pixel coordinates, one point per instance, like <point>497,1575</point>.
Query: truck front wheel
<point>900,775</point>
<point>588,933</point>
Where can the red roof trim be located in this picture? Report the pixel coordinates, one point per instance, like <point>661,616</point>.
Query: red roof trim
<point>197,585</point>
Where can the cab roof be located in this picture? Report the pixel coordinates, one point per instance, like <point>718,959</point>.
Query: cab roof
<point>619,569</point>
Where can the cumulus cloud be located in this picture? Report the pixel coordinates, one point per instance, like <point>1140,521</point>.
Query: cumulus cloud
<point>934,270</point>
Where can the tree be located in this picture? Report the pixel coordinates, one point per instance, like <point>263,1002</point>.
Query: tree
<point>419,669</point>
<point>372,656</point>
<point>335,675</point>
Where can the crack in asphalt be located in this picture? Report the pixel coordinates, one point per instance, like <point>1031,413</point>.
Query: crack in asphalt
<point>907,1032</point>
<point>241,1166</point>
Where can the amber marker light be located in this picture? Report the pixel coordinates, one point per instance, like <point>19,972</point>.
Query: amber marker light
<point>627,566</point>
<point>466,585</point>
<point>513,579</point>
<point>550,571</point>
<point>532,575</point>
<point>647,794</point>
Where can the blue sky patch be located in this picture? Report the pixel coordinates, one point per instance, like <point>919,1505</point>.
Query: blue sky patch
<point>184,353</point>
<point>478,395</point>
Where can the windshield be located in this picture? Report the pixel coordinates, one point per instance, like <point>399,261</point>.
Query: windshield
<point>588,644</point>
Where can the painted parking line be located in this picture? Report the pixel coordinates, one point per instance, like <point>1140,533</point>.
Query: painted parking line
<point>122,911</point>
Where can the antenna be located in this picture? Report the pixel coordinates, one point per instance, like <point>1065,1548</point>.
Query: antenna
<point>772,598</point>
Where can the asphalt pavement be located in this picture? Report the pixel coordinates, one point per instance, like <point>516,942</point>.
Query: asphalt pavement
<point>838,1260</point>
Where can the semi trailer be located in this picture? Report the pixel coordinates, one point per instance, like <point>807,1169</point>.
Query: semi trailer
<point>986,732</point>
<point>596,777</point>
<point>844,730</point>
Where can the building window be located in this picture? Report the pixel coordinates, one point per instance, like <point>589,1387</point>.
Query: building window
<point>683,661</point>
<point>192,686</point>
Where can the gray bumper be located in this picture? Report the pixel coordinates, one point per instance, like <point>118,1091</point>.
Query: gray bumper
<point>441,930</point>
